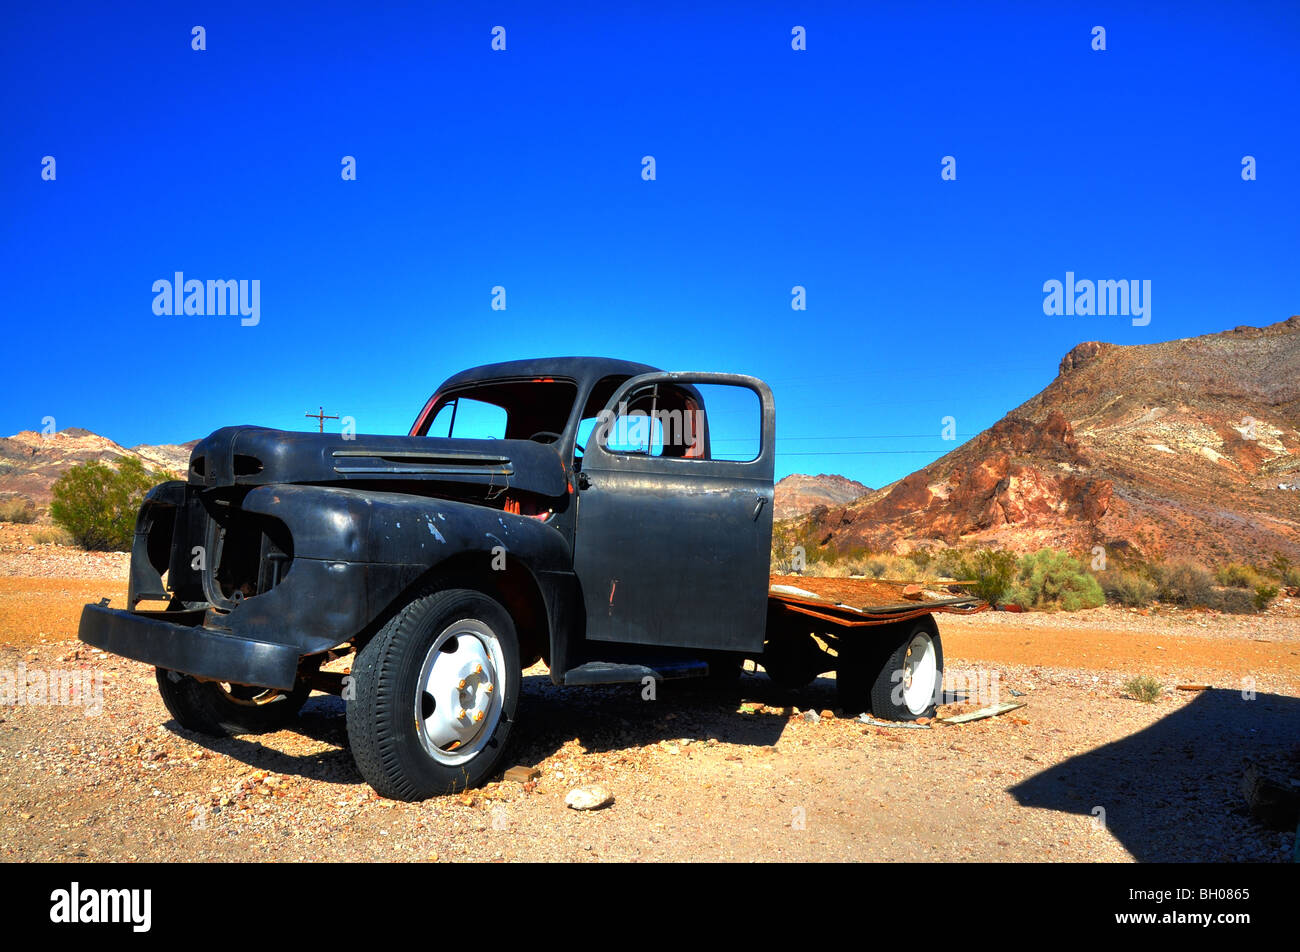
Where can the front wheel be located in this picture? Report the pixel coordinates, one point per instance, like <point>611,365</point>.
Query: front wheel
<point>220,709</point>
<point>435,696</point>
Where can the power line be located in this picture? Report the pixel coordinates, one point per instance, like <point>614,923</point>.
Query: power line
<point>864,453</point>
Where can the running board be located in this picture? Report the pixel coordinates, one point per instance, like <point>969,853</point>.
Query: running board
<point>610,672</point>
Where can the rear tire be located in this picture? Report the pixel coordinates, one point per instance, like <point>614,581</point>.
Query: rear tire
<point>906,685</point>
<point>436,691</point>
<point>219,709</point>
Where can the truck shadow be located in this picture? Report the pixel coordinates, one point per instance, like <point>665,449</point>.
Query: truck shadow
<point>602,719</point>
<point>1171,792</point>
<point>618,717</point>
<point>322,719</point>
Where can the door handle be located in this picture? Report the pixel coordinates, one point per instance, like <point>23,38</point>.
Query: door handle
<point>758,506</point>
<point>584,481</point>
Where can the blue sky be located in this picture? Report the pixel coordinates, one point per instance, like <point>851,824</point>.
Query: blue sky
<point>522,168</point>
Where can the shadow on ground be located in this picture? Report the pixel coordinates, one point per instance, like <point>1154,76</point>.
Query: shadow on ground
<point>321,719</point>
<point>1172,792</point>
<point>617,717</point>
<point>605,718</point>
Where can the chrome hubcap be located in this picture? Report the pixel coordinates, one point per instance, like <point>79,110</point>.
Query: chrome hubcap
<point>458,697</point>
<point>920,671</point>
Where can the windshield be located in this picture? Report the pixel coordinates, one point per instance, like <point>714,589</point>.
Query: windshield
<point>504,410</point>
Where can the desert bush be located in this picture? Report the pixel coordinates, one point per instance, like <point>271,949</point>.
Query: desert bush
<point>893,567</point>
<point>97,503</point>
<point>1264,593</point>
<point>780,564</point>
<point>992,570</point>
<point>921,558</point>
<point>1183,583</point>
<point>1232,601</point>
<point>1284,570</point>
<point>1126,587</point>
<point>792,534</point>
<point>53,536</point>
<point>1053,579</point>
<point>883,566</point>
<point>1143,688</point>
<point>1236,575</point>
<point>822,570</point>
<point>17,509</point>
<point>952,563</point>
<point>877,567</point>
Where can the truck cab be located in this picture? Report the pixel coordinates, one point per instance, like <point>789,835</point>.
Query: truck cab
<point>669,542</point>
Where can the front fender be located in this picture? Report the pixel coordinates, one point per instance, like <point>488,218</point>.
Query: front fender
<point>355,552</point>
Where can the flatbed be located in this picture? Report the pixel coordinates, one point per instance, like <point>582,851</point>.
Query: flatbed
<point>857,601</point>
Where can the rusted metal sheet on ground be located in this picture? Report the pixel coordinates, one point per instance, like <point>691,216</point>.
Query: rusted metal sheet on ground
<point>993,710</point>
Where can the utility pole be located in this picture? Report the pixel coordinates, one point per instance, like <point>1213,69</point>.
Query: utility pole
<point>321,417</point>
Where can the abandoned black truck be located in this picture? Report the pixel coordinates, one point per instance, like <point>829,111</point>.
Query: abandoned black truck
<point>572,510</point>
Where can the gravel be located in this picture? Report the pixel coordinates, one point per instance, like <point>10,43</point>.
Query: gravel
<point>694,775</point>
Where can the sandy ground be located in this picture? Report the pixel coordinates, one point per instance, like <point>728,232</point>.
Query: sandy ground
<point>1081,773</point>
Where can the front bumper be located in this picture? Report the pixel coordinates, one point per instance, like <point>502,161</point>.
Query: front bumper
<point>190,649</point>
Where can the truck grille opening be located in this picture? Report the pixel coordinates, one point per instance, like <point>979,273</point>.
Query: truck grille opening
<point>249,554</point>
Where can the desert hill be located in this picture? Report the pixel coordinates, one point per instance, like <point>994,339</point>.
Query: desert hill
<point>798,493</point>
<point>30,462</point>
<point>1183,448</point>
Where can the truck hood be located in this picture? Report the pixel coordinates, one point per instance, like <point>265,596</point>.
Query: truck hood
<point>258,456</point>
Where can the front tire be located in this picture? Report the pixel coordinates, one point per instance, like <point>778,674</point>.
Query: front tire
<point>436,691</point>
<point>219,709</point>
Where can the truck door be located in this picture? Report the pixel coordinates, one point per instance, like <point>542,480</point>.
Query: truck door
<point>673,538</point>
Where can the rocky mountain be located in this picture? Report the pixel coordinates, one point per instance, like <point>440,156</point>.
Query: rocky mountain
<point>31,462</point>
<point>1188,448</point>
<point>798,494</point>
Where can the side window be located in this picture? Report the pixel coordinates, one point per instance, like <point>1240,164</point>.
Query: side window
<point>468,419</point>
<point>703,421</point>
<point>734,422</point>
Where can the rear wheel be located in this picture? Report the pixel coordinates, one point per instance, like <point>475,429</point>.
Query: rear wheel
<point>900,681</point>
<point>218,708</point>
<point>435,696</point>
